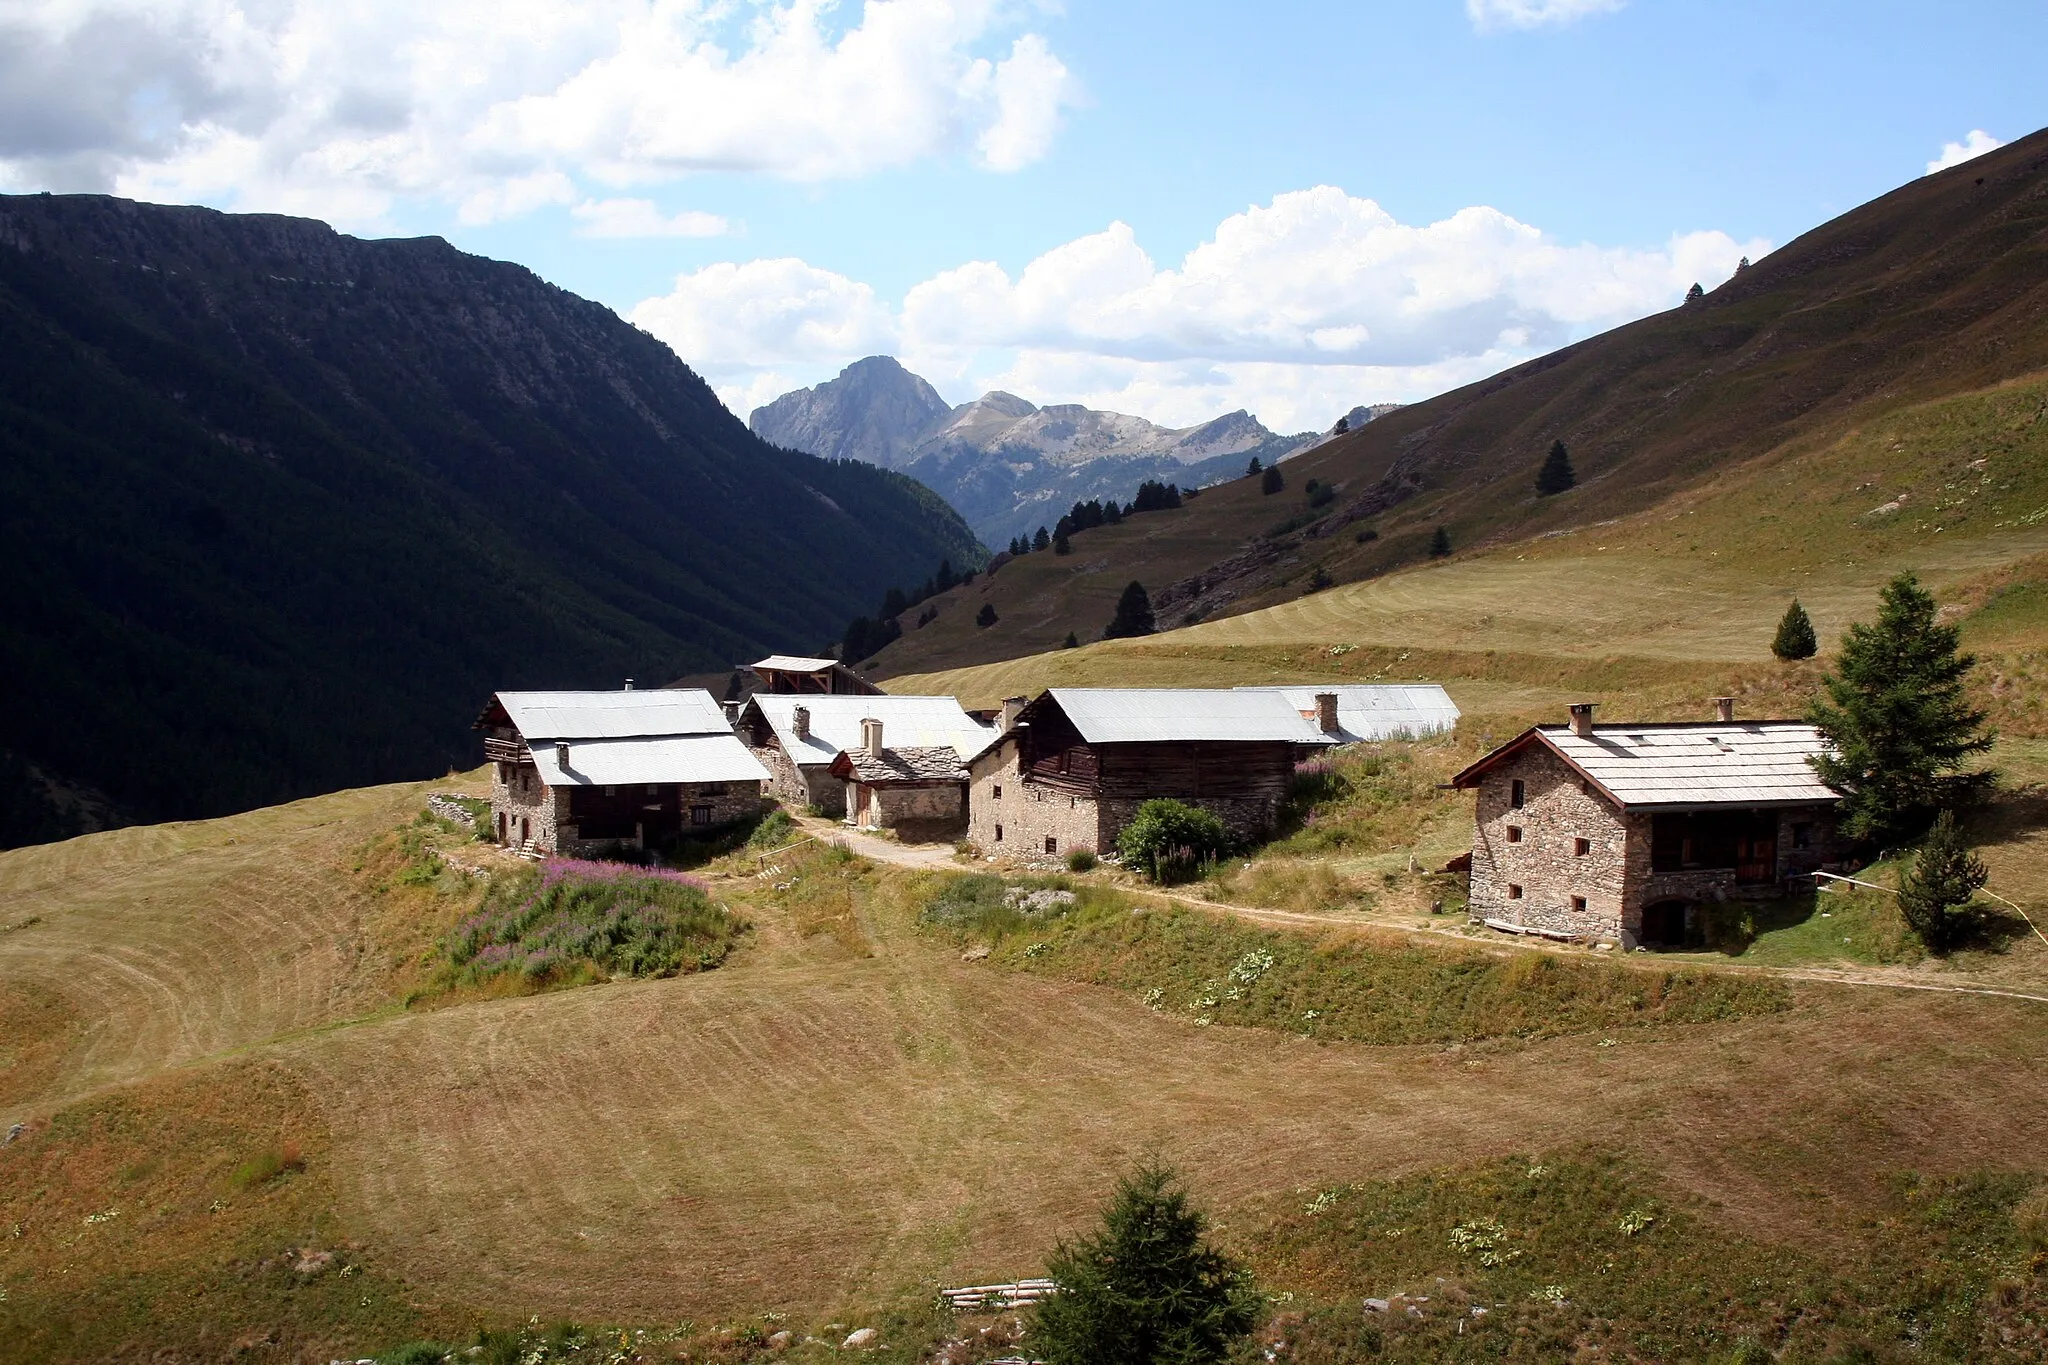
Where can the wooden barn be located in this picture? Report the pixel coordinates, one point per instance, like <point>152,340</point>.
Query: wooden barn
<point>1632,832</point>
<point>1072,766</point>
<point>790,674</point>
<point>583,773</point>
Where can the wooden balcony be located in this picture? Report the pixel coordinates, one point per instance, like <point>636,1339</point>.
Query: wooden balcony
<point>504,751</point>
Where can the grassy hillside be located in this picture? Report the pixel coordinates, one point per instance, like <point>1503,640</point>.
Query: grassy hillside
<point>1937,291</point>
<point>284,505</point>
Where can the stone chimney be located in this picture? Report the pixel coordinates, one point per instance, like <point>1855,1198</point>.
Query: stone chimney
<point>629,685</point>
<point>1012,708</point>
<point>562,755</point>
<point>1582,719</point>
<point>1724,710</point>
<point>800,721</point>
<point>871,736</point>
<point>1326,712</point>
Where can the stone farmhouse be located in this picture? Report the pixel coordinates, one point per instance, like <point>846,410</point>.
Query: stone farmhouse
<point>584,773</point>
<point>799,737</point>
<point>918,790</point>
<point>1071,768</point>
<point>1629,832</point>
<point>1371,712</point>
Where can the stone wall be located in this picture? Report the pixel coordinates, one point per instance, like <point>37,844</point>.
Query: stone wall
<point>523,807</point>
<point>1559,809</point>
<point>799,787</point>
<point>923,814</point>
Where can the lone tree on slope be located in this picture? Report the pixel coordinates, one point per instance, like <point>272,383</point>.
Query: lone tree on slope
<point>1440,543</point>
<point>986,617</point>
<point>1695,294</point>
<point>1147,1288</point>
<point>1273,480</point>
<point>1896,721</point>
<point>1936,892</point>
<point>1252,470</point>
<point>1556,474</point>
<point>1133,614</point>
<point>1795,638</point>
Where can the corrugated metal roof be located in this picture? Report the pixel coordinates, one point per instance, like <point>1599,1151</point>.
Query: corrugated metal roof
<point>791,663</point>
<point>614,715</point>
<point>624,762</point>
<point>907,722</point>
<point>1144,715</point>
<point>1377,710</point>
<point>1738,763</point>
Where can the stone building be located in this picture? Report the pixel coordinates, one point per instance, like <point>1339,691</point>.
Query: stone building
<point>920,791</point>
<point>1072,767</point>
<point>586,773</point>
<point>797,737</point>
<point>1629,832</point>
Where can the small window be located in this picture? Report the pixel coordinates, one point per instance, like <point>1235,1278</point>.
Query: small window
<point>999,834</point>
<point>1514,834</point>
<point>999,791</point>
<point>700,815</point>
<point>1514,892</point>
<point>1581,847</point>
<point>1516,793</point>
<point>1578,905</point>
<point>1052,844</point>
<point>712,789</point>
<point>1802,835</point>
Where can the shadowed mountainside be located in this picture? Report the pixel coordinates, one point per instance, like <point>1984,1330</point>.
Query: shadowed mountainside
<point>279,506</point>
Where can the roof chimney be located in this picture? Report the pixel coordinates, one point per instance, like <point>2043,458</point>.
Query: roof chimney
<point>871,736</point>
<point>1724,709</point>
<point>562,755</point>
<point>800,722</point>
<point>1582,719</point>
<point>1326,712</point>
<point>1013,707</point>
<point>629,685</point>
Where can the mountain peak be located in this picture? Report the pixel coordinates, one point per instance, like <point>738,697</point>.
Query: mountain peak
<point>872,412</point>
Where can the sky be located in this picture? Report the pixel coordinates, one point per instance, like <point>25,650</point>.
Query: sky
<point>1174,210</point>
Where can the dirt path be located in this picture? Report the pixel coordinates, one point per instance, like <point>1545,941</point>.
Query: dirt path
<point>921,856</point>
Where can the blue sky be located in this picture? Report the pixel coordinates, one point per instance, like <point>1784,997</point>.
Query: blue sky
<point>940,178</point>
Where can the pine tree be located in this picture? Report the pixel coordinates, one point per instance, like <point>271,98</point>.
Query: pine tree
<point>1742,265</point>
<point>986,617</point>
<point>1273,481</point>
<point>1695,294</point>
<point>1896,721</point>
<point>1935,894</point>
<point>1440,543</point>
<point>1147,1288</point>
<point>1795,638</point>
<point>1061,545</point>
<point>1252,470</point>
<point>1071,643</point>
<point>1041,540</point>
<point>1556,474</point>
<point>1343,425</point>
<point>1133,614</point>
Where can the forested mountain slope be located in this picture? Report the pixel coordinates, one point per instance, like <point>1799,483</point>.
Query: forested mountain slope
<point>1937,289</point>
<point>279,506</point>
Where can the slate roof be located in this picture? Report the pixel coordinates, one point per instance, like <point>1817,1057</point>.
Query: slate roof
<point>907,722</point>
<point>614,715</point>
<point>919,763</point>
<point>1686,767</point>
<point>1150,715</point>
<point>1368,711</point>
<point>626,762</point>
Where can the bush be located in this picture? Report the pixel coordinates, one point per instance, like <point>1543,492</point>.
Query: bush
<point>984,904</point>
<point>1795,638</point>
<point>775,829</point>
<point>576,917</point>
<point>1171,841</point>
<point>1081,860</point>
<point>1936,894</point>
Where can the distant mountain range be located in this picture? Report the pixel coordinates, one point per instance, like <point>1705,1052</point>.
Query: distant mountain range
<point>1007,465</point>
<point>280,507</point>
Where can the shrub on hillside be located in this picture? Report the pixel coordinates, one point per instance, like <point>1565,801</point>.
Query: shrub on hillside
<point>985,904</point>
<point>1171,841</point>
<point>576,917</point>
<point>1081,860</point>
<point>1936,894</point>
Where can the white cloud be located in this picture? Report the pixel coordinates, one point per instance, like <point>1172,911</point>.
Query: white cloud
<point>1296,310</point>
<point>1497,14</point>
<point>496,105</point>
<point>1974,144</point>
<point>639,218</point>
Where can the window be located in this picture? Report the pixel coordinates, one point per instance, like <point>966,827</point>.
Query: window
<point>1578,905</point>
<point>1514,892</point>
<point>1514,834</point>
<point>999,791</point>
<point>712,789</point>
<point>1052,844</point>
<point>1581,847</point>
<point>700,815</point>
<point>999,834</point>
<point>1802,835</point>
<point>1516,794</point>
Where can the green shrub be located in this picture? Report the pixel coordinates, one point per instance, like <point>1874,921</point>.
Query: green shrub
<point>1171,841</point>
<point>776,829</point>
<point>1081,860</point>
<point>577,918</point>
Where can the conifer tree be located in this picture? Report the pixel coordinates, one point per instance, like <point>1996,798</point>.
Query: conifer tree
<point>1343,425</point>
<point>1252,470</point>
<point>1896,721</point>
<point>1440,543</point>
<point>1041,540</point>
<point>1146,1288</point>
<point>986,617</point>
<point>1556,474</point>
<point>1695,294</point>
<point>1273,481</point>
<point>1795,638</point>
<point>1935,894</point>
<point>1071,643</point>
<point>1133,614</point>
<point>1061,545</point>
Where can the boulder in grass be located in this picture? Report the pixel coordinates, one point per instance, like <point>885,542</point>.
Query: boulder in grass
<point>859,1339</point>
